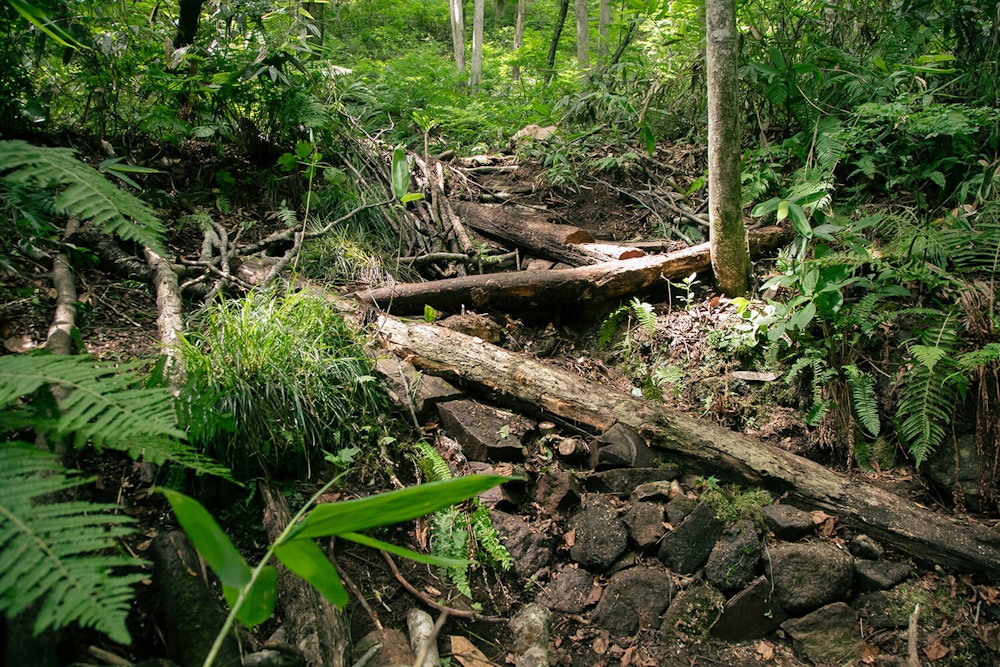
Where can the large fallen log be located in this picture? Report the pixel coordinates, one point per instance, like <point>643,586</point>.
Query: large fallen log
<point>927,536</point>
<point>581,292</point>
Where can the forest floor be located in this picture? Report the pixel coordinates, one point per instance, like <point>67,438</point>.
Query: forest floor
<point>689,345</point>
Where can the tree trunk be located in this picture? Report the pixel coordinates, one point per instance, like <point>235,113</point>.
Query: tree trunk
<point>458,34</point>
<point>604,33</point>
<point>730,258</point>
<point>478,11</point>
<point>187,22</point>
<point>582,38</point>
<point>703,447</point>
<point>515,70</point>
<point>550,59</point>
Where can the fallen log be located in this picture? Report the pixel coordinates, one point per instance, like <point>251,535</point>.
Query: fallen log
<point>581,292</point>
<point>927,536</point>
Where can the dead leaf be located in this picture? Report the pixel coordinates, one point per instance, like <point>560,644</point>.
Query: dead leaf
<point>627,657</point>
<point>595,595</point>
<point>765,651</point>
<point>19,344</point>
<point>601,644</point>
<point>869,654</point>
<point>936,651</point>
<point>570,538</point>
<point>468,655</point>
<point>755,376</point>
<point>819,517</point>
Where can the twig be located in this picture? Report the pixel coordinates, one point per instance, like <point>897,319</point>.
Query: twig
<point>912,657</point>
<point>426,599</point>
<point>356,592</point>
<point>369,654</point>
<point>431,638</point>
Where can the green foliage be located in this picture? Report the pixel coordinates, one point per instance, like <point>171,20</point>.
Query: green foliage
<point>289,373</point>
<point>79,190</point>
<point>733,503</point>
<point>57,553</point>
<point>642,312</point>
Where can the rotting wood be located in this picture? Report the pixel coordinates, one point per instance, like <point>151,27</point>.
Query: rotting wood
<point>927,536</point>
<point>313,625</point>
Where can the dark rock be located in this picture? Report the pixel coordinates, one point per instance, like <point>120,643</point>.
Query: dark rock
<point>408,388</point>
<point>735,558</point>
<point>787,522</point>
<point>633,600</point>
<point>568,591</point>
<point>691,614</point>
<point>529,635</point>
<point>623,481</point>
<point>679,508</point>
<point>529,550</point>
<point>557,491</point>
<point>622,447</point>
<point>752,613</point>
<point>828,635</point>
<point>600,536</point>
<point>645,523</point>
<point>661,491</point>
<point>879,575</point>
<point>808,576</point>
<point>940,468</point>
<point>687,547</point>
<point>866,548</point>
<point>485,433</point>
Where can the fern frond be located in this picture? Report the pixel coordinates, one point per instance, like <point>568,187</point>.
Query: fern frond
<point>987,354</point>
<point>451,540</point>
<point>609,327</point>
<point>56,552</point>
<point>863,399</point>
<point>80,190</point>
<point>644,313</point>
<point>106,406</point>
<point>927,398</point>
<point>487,538</point>
<point>433,465</point>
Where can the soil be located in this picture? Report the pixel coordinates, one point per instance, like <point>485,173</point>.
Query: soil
<point>117,321</point>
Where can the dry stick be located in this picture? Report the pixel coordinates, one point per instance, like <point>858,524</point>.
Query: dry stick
<point>912,657</point>
<point>432,637</point>
<point>456,224</point>
<point>423,597</point>
<point>289,234</point>
<point>356,592</point>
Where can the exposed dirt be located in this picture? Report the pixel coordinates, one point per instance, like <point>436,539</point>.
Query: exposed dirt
<point>117,321</point>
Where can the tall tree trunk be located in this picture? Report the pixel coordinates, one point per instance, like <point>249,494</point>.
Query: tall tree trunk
<point>478,10</point>
<point>515,71</point>
<point>604,32</point>
<point>187,22</point>
<point>582,37</point>
<point>728,238</point>
<point>550,60</point>
<point>458,34</point>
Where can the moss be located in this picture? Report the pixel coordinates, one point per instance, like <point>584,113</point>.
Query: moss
<point>732,503</point>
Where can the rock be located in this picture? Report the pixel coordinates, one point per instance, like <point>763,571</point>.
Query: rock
<point>409,388</point>
<point>678,509</point>
<point>752,613</point>
<point>645,523</point>
<point>940,467</point>
<point>568,591</point>
<point>485,433</point>
<point>808,576</point>
<point>633,600</point>
<point>529,550</point>
<point>421,627</point>
<point>529,630</point>
<point>600,535</point>
<point>787,523</point>
<point>879,575</point>
<point>623,481</point>
<point>394,649</point>
<point>622,447</point>
<point>663,491</point>
<point>557,491</point>
<point>828,635</point>
<point>687,547</point>
<point>735,558</point>
<point>535,132</point>
<point>866,548</point>
<point>691,614</point>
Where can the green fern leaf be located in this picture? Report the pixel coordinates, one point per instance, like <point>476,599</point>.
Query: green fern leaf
<point>433,465</point>
<point>609,327</point>
<point>863,398</point>
<point>80,190</point>
<point>644,313</point>
<point>57,552</point>
<point>927,398</point>
<point>106,406</point>
<point>451,540</point>
<point>488,539</point>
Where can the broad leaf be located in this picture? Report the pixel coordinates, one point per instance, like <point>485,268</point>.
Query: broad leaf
<point>427,559</point>
<point>305,559</point>
<point>213,544</point>
<point>400,173</point>
<point>260,599</point>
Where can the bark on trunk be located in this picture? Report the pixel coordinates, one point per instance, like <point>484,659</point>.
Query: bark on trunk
<point>458,34</point>
<point>550,59</point>
<point>707,448</point>
<point>478,10</point>
<point>515,70</point>
<point>168,312</point>
<point>730,259</point>
<point>584,292</point>
<point>582,38</point>
<point>604,32</point>
<point>314,625</point>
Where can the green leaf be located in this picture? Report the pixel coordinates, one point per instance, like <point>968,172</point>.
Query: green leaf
<point>403,552</point>
<point>305,559</point>
<point>210,541</point>
<point>801,319</point>
<point>765,207</point>
<point>400,173</point>
<point>393,507</point>
<point>258,605</point>
<point>411,196</point>
<point>40,20</point>
<point>799,221</point>
<point>429,314</point>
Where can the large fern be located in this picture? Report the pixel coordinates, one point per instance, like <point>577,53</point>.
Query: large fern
<point>927,398</point>
<point>56,552</point>
<point>80,190</point>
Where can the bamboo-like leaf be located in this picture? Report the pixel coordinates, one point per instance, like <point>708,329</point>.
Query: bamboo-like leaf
<point>210,540</point>
<point>305,559</point>
<point>427,559</point>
